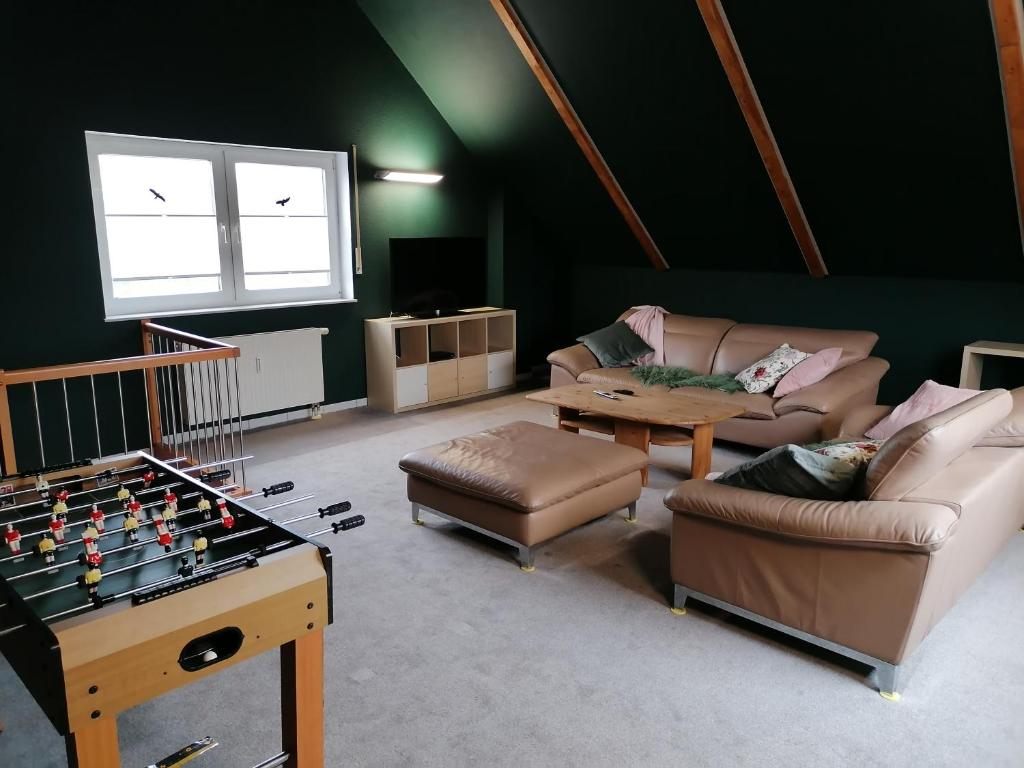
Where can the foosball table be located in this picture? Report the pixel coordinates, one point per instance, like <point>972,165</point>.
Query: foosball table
<point>124,580</point>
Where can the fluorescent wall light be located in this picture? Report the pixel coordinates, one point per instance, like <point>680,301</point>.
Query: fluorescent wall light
<point>418,178</point>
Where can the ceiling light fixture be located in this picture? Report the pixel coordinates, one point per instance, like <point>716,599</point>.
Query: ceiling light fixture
<point>417,178</point>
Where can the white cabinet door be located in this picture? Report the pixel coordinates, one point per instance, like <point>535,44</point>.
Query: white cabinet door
<point>410,386</point>
<point>501,369</point>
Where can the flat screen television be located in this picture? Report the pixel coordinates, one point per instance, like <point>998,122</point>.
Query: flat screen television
<point>437,276</point>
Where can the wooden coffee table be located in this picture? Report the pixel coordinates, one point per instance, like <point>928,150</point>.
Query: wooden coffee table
<point>649,415</point>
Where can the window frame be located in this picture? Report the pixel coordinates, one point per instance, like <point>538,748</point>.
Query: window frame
<point>233,296</point>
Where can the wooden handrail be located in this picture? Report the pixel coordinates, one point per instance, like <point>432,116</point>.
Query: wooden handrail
<point>136,363</point>
<point>186,338</point>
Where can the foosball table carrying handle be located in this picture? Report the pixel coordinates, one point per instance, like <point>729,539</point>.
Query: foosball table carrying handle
<point>348,523</point>
<point>335,509</point>
<point>277,488</point>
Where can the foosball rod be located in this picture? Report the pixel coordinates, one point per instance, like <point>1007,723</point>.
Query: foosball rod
<point>104,474</point>
<point>37,502</point>
<point>88,505</point>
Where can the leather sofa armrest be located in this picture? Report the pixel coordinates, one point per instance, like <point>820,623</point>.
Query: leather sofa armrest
<point>899,525</point>
<point>860,419</point>
<point>836,388</point>
<point>575,359</point>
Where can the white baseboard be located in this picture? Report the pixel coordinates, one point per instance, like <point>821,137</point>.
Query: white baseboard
<point>300,414</point>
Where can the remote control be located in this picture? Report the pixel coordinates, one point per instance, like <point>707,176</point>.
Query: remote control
<point>609,395</point>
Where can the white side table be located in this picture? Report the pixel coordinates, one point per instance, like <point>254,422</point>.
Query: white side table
<point>974,355</point>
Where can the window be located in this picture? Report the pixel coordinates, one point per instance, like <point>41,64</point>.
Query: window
<point>190,226</point>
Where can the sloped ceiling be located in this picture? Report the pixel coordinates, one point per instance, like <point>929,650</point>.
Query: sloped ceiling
<point>889,116</point>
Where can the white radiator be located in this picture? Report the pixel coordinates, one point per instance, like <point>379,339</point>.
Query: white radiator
<point>276,371</point>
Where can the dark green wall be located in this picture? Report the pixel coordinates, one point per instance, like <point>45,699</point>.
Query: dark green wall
<point>313,75</point>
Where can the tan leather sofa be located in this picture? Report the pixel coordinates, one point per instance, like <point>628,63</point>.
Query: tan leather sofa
<point>868,579</point>
<point>716,345</point>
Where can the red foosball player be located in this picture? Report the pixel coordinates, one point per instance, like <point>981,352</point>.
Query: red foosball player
<point>225,517</point>
<point>204,506</point>
<point>57,528</point>
<point>171,517</point>
<point>199,546</point>
<point>90,538</point>
<point>42,486</point>
<point>124,496</point>
<point>45,548</point>
<point>97,518</point>
<point>91,579</point>
<point>148,478</point>
<point>134,509</point>
<point>171,500</point>
<point>163,536</point>
<point>13,538</point>
<point>131,527</point>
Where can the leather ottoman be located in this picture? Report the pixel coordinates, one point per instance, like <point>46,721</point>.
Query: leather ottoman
<point>523,483</point>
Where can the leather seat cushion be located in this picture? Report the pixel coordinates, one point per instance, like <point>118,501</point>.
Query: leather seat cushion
<point>522,465</point>
<point>612,378</point>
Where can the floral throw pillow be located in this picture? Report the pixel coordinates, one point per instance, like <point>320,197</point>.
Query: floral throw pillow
<point>766,372</point>
<point>855,453</point>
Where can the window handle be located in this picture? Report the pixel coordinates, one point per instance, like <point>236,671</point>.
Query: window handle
<point>224,233</point>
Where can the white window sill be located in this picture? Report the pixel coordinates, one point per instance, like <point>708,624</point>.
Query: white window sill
<point>219,310</point>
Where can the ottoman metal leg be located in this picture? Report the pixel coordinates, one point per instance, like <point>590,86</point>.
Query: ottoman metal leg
<point>679,596</point>
<point>416,514</point>
<point>631,513</point>
<point>526,559</point>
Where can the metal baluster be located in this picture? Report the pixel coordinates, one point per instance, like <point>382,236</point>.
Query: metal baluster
<point>149,419</point>
<point>241,428</point>
<point>124,426</point>
<point>193,425</point>
<point>213,426</point>
<point>67,418</point>
<point>220,410</point>
<point>231,418</point>
<point>95,416</point>
<point>170,392</point>
<point>39,425</point>
<point>195,412</point>
<point>161,390</point>
<point>202,403</point>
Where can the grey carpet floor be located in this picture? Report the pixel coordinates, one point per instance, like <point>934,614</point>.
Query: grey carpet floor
<point>443,653</point>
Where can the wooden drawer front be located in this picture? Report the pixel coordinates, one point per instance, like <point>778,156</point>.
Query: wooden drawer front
<point>500,369</point>
<point>472,374</point>
<point>443,380</point>
<point>410,386</point>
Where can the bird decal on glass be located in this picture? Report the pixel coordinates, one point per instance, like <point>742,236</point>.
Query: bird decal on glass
<point>282,202</point>
<point>158,196</point>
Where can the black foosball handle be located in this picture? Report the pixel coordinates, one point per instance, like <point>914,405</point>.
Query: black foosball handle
<point>348,523</point>
<point>209,477</point>
<point>335,509</point>
<point>277,488</point>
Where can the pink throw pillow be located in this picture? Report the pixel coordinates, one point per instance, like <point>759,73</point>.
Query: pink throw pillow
<point>810,371</point>
<point>930,398</point>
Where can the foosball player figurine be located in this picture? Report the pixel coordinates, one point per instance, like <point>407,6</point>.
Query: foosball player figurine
<point>199,547</point>
<point>57,528</point>
<point>225,517</point>
<point>163,536</point>
<point>204,506</point>
<point>42,486</point>
<point>134,508</point>
<point>97,518</point>
<point>59,508</point>
<point>13,538</point>
<point>148,478</point>
<point>45,547</point>
<point>171,500</point>
<point>185,570</point>
<point>170,515</point>
<point>131,527</point>
<point>90,538</point>
<point>91,580</point>
<point>124,496</point>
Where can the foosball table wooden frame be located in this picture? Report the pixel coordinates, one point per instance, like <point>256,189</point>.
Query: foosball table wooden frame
<point>90,662</point>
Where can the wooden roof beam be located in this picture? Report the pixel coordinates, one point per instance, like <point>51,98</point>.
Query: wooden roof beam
<point>521,37</point>
<point>750,105</point>
<point>1008,25</point>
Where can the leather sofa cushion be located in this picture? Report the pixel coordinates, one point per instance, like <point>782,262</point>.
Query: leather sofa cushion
<point>743,344</point>
<point>1008,433</point>
<point>921,450</point>
<point>522,465</point>
<point>691,342</point>
<point>612,378</point>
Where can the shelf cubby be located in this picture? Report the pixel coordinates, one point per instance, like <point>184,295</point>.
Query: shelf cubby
<point>410,346</point>
<point>472,337</point>
<point>444,338</point>
<point>501,333</point>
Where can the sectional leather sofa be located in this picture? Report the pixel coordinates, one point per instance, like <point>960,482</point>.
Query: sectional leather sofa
<point>716,345</point>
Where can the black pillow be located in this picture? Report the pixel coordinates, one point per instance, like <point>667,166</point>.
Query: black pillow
<point>615,346</point>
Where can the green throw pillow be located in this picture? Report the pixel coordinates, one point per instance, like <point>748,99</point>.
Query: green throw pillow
<point>790,470</point>
<point>616,345</point>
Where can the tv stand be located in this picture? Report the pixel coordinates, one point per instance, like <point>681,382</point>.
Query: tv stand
<point>418,362</point>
